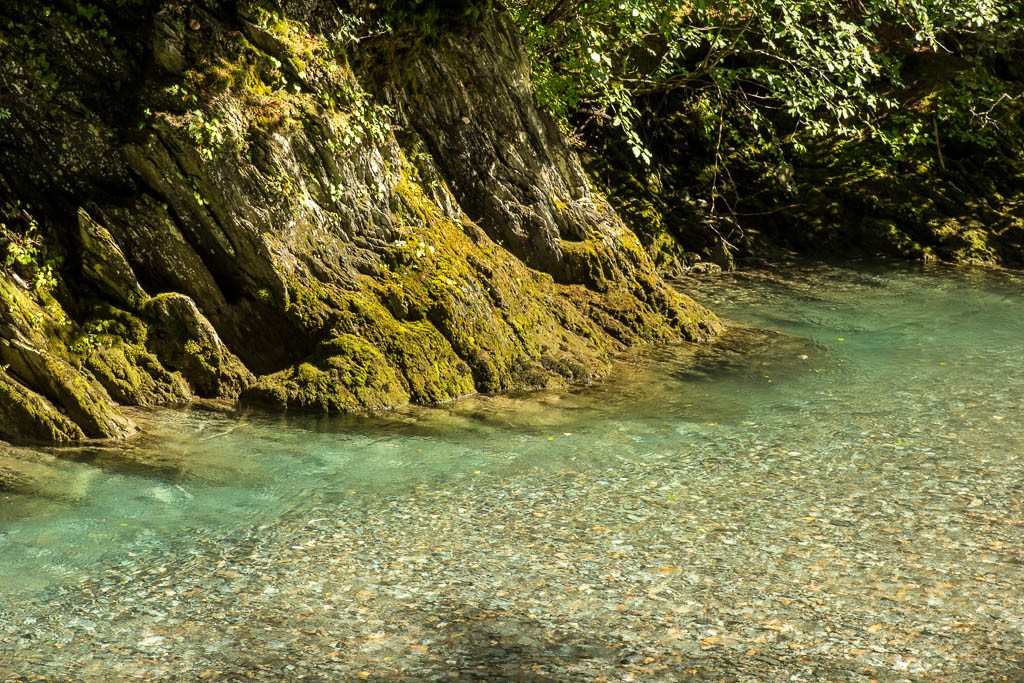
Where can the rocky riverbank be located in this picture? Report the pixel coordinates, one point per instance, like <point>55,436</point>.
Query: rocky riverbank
<point>221,200</point>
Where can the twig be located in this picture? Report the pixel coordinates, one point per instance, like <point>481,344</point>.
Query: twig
<point>938,145</point>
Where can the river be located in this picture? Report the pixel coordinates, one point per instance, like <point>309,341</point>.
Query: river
<point>838,498</point>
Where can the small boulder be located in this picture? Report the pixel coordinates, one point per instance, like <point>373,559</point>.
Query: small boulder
<point>27,417</point>
<point>185,341</point>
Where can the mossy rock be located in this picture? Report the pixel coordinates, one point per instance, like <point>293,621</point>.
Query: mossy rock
<point>78,394</point>
<point>133,376</point>
<point>430,369</point>
<point>287,229</point>
<point>105,265</point>
<point>34,332</point>
<point>345,375</point>
<point>185,341</point>
<point>588,264</point>
<point>27,417</point>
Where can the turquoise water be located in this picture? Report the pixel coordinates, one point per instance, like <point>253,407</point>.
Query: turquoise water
<point>882,361</point>
<point>888,401</point>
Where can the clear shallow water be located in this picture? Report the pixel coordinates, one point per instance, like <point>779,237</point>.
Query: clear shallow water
<point>875,444</point>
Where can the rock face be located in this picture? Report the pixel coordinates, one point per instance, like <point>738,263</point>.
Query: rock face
<point>217,204</point>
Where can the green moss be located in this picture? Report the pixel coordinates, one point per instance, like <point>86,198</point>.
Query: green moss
<point>347,374</point>
<point>185,342</point>
<point>587,263</point>
<point>430,369</point>
<point>132,375</point>
<point>25,416</point>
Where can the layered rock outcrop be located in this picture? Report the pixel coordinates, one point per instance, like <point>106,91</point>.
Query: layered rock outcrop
<point>229,201</point>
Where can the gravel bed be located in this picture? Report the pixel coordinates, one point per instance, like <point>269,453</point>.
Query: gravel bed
<point>648,571</point>
<point>843,504</point>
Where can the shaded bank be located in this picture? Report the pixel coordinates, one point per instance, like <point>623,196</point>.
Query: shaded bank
<point>736,127</point>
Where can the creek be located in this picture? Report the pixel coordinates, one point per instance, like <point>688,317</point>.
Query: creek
<point>838,499</point>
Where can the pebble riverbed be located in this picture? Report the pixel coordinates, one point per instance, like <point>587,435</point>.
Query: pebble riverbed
<point>809,541</point>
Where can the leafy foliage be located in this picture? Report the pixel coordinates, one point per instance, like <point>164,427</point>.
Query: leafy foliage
<point>716,124</point>
<point>809,66</point>
<point>24,250</point>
